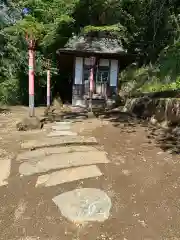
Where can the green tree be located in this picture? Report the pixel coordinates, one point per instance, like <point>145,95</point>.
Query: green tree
<point>144,27</point>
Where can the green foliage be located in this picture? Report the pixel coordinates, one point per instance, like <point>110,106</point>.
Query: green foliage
<point>149,29</point>
<point>28,26</point>
<point>109,29</point>
<point>163,75</point>
<point>134,79</point>
<point>8,91</point>
<point>169,61</point>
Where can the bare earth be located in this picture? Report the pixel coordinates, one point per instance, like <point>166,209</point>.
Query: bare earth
<point>141,180</point>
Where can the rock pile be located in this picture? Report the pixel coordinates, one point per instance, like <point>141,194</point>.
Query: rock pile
<point>156,110</point>
<point>30,123</point>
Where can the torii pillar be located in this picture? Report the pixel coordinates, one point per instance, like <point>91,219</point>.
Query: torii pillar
<point>31,51</point>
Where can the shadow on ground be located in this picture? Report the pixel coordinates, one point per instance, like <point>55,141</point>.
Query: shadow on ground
<point>118,118</point>
<point>75,115</point>
<point>167,139</point>
<point>4,110</point>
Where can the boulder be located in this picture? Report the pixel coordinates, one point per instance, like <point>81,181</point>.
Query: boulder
<point>57,103</point>
<point>48,111</point>
<point>153,120</point>
<point>176,132</point>
<point>161,110</point>
<point>29,123</point>
<point>173,111</point>
<point>141,107</point>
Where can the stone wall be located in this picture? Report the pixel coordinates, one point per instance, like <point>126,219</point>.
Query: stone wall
<point>156,109</point>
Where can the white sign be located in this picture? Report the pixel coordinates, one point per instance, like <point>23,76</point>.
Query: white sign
<point>78,70</point>
<point>114,73</point>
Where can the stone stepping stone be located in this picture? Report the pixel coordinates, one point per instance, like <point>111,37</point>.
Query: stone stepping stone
<point>67,123</point>
<point>63,141</point>
<point>33,238</point>
<point>64,160</point>
<point>41,131</point>
<point>84,205</point>
<point>5,167</point>
<point>61,133</point>
<point>60,127</point>
<point>68,175</point>
<point>43,152</point>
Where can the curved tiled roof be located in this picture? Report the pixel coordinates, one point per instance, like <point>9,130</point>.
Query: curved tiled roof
<point>97,45</point>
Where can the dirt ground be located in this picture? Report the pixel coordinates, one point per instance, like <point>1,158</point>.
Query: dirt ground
<point>142,181</point>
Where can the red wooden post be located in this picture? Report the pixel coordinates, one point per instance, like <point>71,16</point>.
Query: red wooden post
<point>92,75</point>
<point>48,85</point>
<point>91,81</point>
<point>31,77</point>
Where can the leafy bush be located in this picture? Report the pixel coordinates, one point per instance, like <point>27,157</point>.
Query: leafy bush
<point>143,33</point>
<point>163,75</point>
<point>9,92</point>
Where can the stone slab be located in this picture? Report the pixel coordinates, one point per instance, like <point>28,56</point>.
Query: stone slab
<point>84,205</point>
<point>60,127</point>
<point>42,131</point>
<point>61,133</point>
<point>68,122</point>
<point>32,238</point>
<point>43,152</point>
<point>61,161</point>
<point>68,175</point>
<point>63,141</point>
<point>5,167</point>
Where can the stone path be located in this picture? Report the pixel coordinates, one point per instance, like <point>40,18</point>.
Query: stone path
<point>65,140</point>
<point>63,157</point>
<point>73,193</point>
<point>92,204</point>
<point>68,175</point>
<point>5,171</point>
